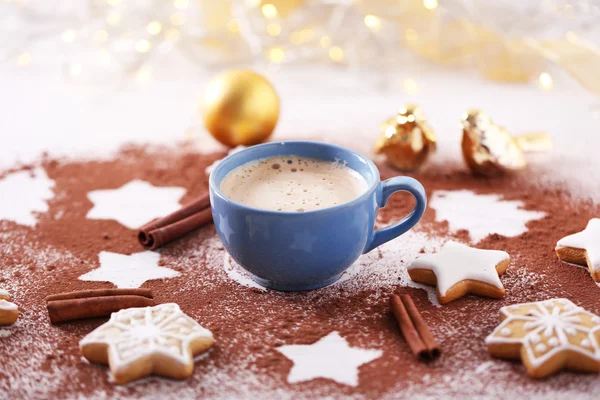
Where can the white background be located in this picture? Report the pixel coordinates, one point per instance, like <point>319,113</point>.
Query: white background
<point>41,110</point>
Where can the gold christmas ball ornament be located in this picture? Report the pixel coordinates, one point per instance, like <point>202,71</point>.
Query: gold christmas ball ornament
<point>240,107</point>
<point>488,149</point>
<point>406,140</point>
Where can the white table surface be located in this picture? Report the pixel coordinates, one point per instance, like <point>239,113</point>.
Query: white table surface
<point>41,110</point>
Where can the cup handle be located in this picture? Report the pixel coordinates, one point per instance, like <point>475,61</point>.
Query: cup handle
<point>390,186</point>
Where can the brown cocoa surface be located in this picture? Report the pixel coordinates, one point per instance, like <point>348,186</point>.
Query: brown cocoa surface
<point>38,360</point>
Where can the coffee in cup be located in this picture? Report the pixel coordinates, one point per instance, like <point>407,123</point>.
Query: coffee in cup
<point>293,183</point>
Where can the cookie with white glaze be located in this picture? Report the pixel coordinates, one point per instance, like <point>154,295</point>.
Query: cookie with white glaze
<point>548,336</point>
<point>9,312</point>
<point>458,270</point>
<point>137,342</point>
<point>583,248</point>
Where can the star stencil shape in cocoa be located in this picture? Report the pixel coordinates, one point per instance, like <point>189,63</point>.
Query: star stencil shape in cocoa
<point>23,194</point>
<point>548,336</point>
<point>583,248</point>
<point>135,203</point>
<point>138,342</point>
<point>128,271</point>
<point>458,270</point>
<point>331,357</point>
<point>481,214</point>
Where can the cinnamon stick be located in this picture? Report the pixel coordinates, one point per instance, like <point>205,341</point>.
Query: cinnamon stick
<point>164,230</point>
<point>93,307</point>
<point>161,236</point>
<point>82,294</point>
<point>422,329</point>
<point>417,347</point>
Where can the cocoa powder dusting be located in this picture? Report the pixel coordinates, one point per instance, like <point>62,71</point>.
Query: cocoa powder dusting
<point>38,360</point>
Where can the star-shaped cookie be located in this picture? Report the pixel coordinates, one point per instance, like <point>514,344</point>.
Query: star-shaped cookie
<point>583,248</point>
<point>458,270</point>
<point>137,342</point>
<point>548,336</point>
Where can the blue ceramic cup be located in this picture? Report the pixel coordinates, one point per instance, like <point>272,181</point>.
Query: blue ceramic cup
<point>293,251</point>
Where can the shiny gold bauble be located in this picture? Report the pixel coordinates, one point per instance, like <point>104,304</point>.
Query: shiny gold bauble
<point>240,107</point>
<point>406,140</point>
<point>488,149</point>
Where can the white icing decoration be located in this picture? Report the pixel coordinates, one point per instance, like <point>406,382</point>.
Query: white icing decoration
<point>135,203</point>
<point>128,271</point>
<point>529,325</point>
<point>331,357</point>
<point>588,240</point>
<point>138,333</point>
<point>553,322</point>
<point>540,347</point>
<point>32,191</point>
<point>505,332</point>
<point>4,294</point>
<point>8,306</point>
<point>481,214</point>
<point>457,262</point>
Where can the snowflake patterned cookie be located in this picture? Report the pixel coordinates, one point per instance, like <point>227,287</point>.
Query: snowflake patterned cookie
<point>458,270</point>
<point>9,312</point>
<point>548,336</point>
<point>138,342</point>
<point>583,248</point>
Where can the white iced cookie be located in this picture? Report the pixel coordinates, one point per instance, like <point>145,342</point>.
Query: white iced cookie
<point>9,312</point>
<point>458,270</point>
<point>583,248</point>
<point>548,336</point>
<point>138,342</point>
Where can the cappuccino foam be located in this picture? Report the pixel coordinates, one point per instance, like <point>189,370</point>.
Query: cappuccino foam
<point>293,183</point>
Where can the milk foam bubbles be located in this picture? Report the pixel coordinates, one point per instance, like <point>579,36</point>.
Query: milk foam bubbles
<point>293,183</point>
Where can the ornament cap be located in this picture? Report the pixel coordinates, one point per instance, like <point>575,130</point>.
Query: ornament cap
<point>406,139</point>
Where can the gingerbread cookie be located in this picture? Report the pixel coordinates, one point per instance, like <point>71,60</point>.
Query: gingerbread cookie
<point>9,312</point>
<point>583,248</point>
<point>137,342</point>
<point>548,336</point>
<point>458,270</point>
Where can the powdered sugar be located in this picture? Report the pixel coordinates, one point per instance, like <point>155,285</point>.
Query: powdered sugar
<point>25,193</point>
<point>383,267</point>
<point>481,214</point>
<point>128,271</point>
<point>248,323</point>
<point>330,357</point>
<point>5,333</point>
<point>135,203</point>
<point>236,273</point>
